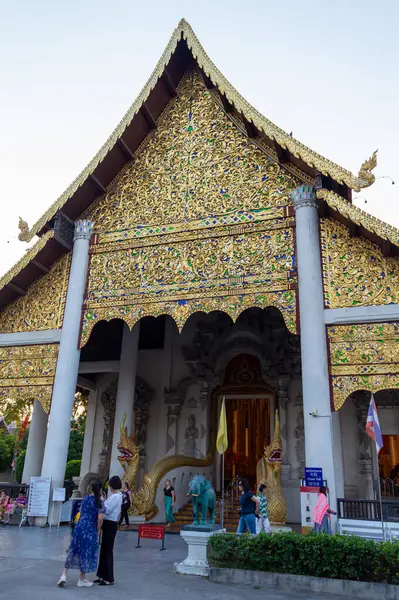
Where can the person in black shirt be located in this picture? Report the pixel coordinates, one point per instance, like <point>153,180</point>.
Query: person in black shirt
<point>169,500</point>
<point>249,504</point>
<point>125,504</point>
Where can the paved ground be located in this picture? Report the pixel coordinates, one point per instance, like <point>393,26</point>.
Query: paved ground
<point>31,560</point>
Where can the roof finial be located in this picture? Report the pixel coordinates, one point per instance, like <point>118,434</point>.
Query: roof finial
<point>365,176</point>
<point>24,230</point>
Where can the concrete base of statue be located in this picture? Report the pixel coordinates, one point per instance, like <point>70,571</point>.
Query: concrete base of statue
<point>136,520</point>
<point>196,537</point>
<point>280,529</point>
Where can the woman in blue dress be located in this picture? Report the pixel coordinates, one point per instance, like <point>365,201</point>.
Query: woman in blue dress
<point>83,551</point>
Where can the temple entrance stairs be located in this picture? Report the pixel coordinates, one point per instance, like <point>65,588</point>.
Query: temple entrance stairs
<point>184,516</point>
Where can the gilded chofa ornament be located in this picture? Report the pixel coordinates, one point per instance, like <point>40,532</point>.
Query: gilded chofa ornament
<point>24,230</point>
<point>27,373</point>
<point>355,271</point>
<point>363,357</point>
<point>268,473</point>
<point>365,175</point>
<point>143,499</point>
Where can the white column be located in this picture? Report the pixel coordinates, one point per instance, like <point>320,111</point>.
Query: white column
<point>36,442</point>
<point>338,454</point>
<point>89,432</point>
<point>125,395</point>
<point>315,377</point>
<point>56,450</point>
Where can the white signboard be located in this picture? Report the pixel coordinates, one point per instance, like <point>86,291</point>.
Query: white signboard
<point>308,502</point>
<point>39,496</point>
<point>59,494</point>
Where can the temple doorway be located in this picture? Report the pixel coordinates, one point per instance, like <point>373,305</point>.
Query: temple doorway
<point>249,403</point>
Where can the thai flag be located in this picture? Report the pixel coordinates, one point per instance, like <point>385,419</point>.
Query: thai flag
<point>373,425</point>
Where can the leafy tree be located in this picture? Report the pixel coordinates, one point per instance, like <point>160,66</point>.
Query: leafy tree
<point>76,438</point>
<point>16,410</point>
<point>7,445</point>
<point>19,467</point>
<point>72,469</point>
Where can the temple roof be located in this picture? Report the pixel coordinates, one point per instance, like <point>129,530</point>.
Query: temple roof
<point>141,119</point>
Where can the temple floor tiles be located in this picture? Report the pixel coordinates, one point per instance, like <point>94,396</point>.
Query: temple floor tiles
<point>31,561</point>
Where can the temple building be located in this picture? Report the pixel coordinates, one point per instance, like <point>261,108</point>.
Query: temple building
<point>204,254</point>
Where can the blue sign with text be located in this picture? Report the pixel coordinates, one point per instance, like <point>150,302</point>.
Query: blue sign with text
<point>313,477</point>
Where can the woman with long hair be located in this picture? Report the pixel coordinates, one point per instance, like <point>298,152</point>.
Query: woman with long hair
<point>112,509</point>
<point>322,512</point>
<point>249,503</point>
<point>83,550</point>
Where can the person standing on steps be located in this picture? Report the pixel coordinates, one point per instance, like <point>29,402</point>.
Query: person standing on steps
<point>125,504</point>
<point>112,505</point>
<point>83,550</point>
<point>169,498</point>
<point>248,505</point>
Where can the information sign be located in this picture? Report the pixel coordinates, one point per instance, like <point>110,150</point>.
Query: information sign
<point>59,494</point>
<point>152,532</point>
<point>313,477</point>
<point>39,496</point>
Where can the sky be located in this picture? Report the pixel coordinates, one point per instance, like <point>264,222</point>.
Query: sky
<point>325,70</point>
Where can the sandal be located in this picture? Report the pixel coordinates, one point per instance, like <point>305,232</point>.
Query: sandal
<point>102,582</point>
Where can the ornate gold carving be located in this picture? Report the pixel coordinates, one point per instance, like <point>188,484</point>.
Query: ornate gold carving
<point>268,473</point>
<point>272,131</point>
<point>216,226</point>
<point>355,272</point>
<point>27,373</point>
<point>180,310</point>
<point>42,307</point>
<point>195,164</point>
<point>24,230</point>
<point>359,216</point>
<point>192,265</point>
<point>25,260</point>
<point>363,357</point>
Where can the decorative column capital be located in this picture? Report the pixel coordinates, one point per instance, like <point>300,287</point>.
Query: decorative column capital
<point>304,196</point>
<point>83,229</point>
<point>173,402</point>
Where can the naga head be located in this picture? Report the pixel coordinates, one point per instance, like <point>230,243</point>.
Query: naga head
<point>128,451</point>
<point>273,451</point>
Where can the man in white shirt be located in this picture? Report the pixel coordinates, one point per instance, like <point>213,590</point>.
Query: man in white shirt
<point>112,509</point>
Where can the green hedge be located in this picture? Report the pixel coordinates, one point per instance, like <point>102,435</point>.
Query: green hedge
<point>334,557</point>
<point>72,469</point>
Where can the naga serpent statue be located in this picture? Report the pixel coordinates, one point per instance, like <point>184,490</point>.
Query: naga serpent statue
<point>268,473</point>
<point>143,499</point>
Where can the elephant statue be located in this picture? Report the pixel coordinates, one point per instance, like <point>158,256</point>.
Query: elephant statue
<point>204,498</point>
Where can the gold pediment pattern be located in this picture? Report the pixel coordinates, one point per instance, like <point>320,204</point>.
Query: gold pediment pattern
<point>355,271</point>
<point>363,357</point>
<point>195,164</point>
<point>27,373</point>
<point>42,307</point>
<point>200,220</point>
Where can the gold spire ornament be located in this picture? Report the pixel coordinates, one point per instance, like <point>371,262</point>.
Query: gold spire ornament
<point>24,230</point>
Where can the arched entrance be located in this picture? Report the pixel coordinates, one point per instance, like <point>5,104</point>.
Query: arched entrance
<point>249,402</point>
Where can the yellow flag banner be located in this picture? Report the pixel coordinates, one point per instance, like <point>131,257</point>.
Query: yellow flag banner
<point>221,440</point>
